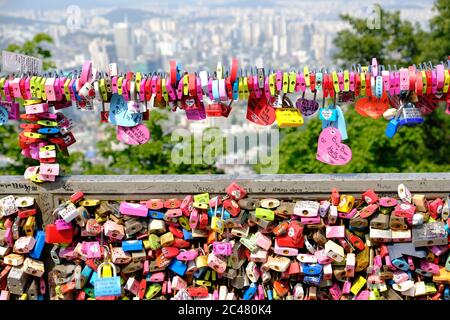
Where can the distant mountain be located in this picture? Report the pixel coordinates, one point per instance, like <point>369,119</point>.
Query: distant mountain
<point>119,15</point>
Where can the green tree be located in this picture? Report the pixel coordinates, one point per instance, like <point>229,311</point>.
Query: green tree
<point>395,42</point>
<point>415,149</point>
<point>154,157</point>
<point>35,48</point>
<point>436,46</point>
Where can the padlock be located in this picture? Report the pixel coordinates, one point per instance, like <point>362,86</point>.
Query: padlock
<point>270,203</point>
<point>248,204</point>
<point>410,115</point>
<point>277,263</point>
<point>380,221</point>
<point>285,210</point>
<point>235,191</point>
<point>217,263</point>
<point>368,211</point>
<point>306,208</point>
<point>346,203</point>
<point>232,207</point>
<point>265,214</point>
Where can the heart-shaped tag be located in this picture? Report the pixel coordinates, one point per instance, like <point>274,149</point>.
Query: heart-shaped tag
<point>372,107</point>
<point>119,114</point>
<point>133,135</point>
<point>326,113</point>
<point>189,102</point>
<point>307,107</point>
<point>331,150</point>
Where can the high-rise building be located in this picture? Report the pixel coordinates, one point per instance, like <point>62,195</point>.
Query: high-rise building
<point>99,54</point>
<point>124,43</point>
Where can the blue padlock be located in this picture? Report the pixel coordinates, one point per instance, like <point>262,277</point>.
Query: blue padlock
<point>48,130</point>
<point>447,293</point>
<point>155,214</point>
<point>312,280</point>
<point>39,245</point>
<point>40,297</point>
<point>187,235</point>
<point>311,268</point>
<point>178,267</point>
<point>250,291</point>
<point>87,272</point>
<point>93,277</point>
<point>410,116</point>
<point>392,128</point>
<point>132,245</point>
<point>226,214</point>
<point>236,89</point>
<point>199,273</point>
<point>269,294</point>
<point>401,264</point>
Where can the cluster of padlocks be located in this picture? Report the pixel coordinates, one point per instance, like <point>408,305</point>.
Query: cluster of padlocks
<point>230,247</point>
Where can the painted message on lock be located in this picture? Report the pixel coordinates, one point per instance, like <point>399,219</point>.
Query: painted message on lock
<point>331,150</point>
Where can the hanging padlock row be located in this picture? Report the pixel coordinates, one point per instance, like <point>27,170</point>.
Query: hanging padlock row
<point>127,98</point>
<point>231,247</point>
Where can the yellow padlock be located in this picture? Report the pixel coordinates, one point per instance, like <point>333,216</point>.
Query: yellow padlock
<point>346,203</point>
<point>288,117</point>
<point>89,203</point>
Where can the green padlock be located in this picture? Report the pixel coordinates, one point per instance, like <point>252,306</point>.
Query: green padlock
<point>184,222</point>
<point>153,290</point>
<point>265,214</point>
<point>154,242</point>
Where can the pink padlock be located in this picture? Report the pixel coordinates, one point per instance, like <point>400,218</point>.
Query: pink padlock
<point>132,285</point>
<point>133,209</point>
<point>310,220</point>
<point>67,253</point>
<point>322,258</point>
<point>217,263</point>
<point>337,232</point>
<point>435,207</point>
<point>178,283</point>
<point>411,263</point>
<point>114,230</point>
<point>377,261</point>
<point>36,108</point>
<point>24,244</point>
<point>388,261</point>
<point>51,169</point>
<point>4,295</point>
<point>346,287</point>
<point>193,218</point>
<point>348,215</point>
<point>174,213</point>
<point>263,241</point>
<point>438,250</point>
<point>284,251</point>
<point>157,277</point>
<point>146,268</point>
<point>91,249</point>
<point>222,248</point>
<point>363,295</point>
<point>429,267</point>
<point>46,177</point>
<point>335,291</point>
<point>387,202</point>
<point>187,255</point>
<point>186,205</point>
<point>62,225</point>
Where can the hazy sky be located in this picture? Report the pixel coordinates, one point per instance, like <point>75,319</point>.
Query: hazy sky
<point>60,4</point>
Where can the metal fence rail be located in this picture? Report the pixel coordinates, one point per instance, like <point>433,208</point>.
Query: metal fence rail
<point>292,186</point>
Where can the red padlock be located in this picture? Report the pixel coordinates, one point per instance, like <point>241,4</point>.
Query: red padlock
<point>172,203</point>
<point>180,243</point>
<point>203,220</point>
<point>176,232</point>
<point>435,207</point>
<point>370,196</point>
<point>52,235</point>
<point>335,198</point>
<point>235,191</point>
<point>77,196</point>
<point>281,229</point>
<point>232,207</point>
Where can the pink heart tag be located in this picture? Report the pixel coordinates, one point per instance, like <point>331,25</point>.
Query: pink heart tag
<point>331,150</point>
<point>133,135</point>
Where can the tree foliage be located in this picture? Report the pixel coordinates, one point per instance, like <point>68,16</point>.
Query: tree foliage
<point>154,157</point>
<point>413,149</point>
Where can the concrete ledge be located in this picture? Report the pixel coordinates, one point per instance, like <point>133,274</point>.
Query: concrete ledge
<point>292,186</point>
